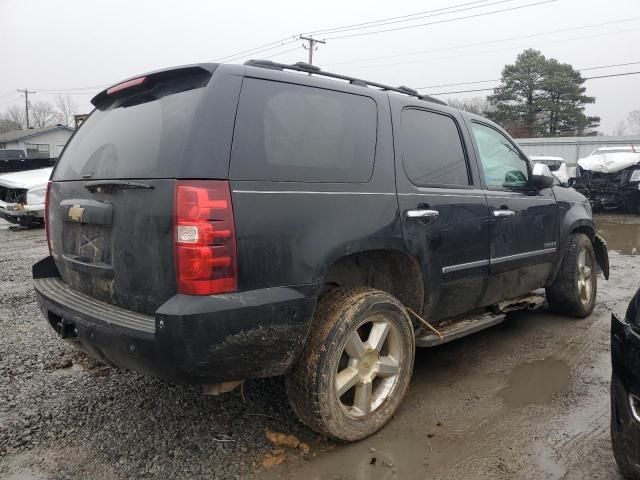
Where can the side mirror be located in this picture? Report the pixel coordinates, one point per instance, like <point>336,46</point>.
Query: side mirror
<point>541,176</point>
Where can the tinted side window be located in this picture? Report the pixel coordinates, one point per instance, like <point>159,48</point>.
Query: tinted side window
<point>502,164</point>
<point>432,152</point>
<point>295,133</point>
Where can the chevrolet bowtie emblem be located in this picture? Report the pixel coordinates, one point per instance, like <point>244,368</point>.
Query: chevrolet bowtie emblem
<point>75,213</point>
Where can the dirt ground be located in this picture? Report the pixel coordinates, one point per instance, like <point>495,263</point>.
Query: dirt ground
<point>526,399</point>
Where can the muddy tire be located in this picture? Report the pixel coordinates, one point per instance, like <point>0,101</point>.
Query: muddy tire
<point>356,365</point>
<point>574,290</point>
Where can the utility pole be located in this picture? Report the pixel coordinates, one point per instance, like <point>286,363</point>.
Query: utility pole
<point>26,93</point>
<point>312,46</point>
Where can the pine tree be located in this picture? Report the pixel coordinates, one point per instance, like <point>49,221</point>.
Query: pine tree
<point>542,97</point>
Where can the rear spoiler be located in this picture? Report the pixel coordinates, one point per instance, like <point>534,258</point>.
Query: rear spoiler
<point>146,81</point>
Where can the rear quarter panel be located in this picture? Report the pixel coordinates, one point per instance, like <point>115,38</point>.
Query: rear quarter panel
<point>288,233</point>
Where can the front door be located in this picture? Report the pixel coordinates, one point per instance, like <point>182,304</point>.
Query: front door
<point>524,220</point>
<point>444,211</point>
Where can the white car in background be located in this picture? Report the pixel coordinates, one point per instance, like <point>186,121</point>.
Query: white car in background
<point>557,165</point>
<point>22,196</point>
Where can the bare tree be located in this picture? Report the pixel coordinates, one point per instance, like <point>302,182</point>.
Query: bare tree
<point>8,125</point>
<point>14,115</point>
<point>477,105</point>
<point>634,121</point>
<point>42,114</point>
<point>67,107</point>
<point>620,129</point>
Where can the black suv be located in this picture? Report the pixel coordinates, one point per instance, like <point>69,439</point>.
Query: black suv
<point>215,223</point>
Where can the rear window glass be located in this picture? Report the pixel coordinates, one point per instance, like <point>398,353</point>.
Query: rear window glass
<point>139,136</point>
<point>294,133</point>
<point>432,152</point>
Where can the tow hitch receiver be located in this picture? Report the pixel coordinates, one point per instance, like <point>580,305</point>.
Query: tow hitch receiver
<point>66,329</point>
<point>602,254</point>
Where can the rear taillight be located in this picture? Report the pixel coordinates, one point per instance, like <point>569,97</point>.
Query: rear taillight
<point>205,240</point>
<point>46,215</point>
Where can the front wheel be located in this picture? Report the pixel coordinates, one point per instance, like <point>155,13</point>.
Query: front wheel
<point>574,290</point>
<point>356,365</point>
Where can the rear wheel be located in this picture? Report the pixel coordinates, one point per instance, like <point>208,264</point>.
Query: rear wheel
<point>356,365</point>
<point>574,290</point>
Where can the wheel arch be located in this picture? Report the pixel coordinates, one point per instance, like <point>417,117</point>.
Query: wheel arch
<point>583,225</point>
<point>390,270</point>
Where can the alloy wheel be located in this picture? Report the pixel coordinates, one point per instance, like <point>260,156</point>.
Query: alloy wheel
<point>369,367</point>
<point>585,271</point>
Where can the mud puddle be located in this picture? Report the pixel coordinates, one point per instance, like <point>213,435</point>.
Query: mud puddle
<point>622,232</point>
<point>535,382</point>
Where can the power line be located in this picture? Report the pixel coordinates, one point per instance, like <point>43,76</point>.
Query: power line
<point>331,30</point>
<point>612,75</point>
<point>62,92</point>
<point>530,45</point>
<point>251,51</point>
<point>408,18</point>
<point>281,53</point>
<point>608,66</point>
<point>549,32</point>
<point>498,79</point>
<point>91,87</point>
<point>288,40</point>
<point>493,88</point>
<point>441,21</point>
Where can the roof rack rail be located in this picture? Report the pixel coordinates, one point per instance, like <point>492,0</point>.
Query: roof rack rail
<point>314,70</point>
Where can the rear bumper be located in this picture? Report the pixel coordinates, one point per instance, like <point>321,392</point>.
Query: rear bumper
<point>190,339</point>
<point>625,381</point>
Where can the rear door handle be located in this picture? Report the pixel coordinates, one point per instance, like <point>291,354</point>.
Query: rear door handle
<point>420,213</point>
<point>503,213</point>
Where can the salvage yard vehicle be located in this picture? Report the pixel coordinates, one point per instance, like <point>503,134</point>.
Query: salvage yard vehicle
<point>557,166</point>
<point>22,196</point>
<point>14,160</point>
<point>214,223</point>
<point>610,178</point>
<point>625,389</point>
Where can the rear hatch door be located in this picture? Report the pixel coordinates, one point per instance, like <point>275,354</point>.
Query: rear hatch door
<point>111,198</point>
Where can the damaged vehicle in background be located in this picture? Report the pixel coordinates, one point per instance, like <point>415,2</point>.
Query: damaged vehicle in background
<point>610,178</point>
<point>557,166</point>
<point>22,196</point>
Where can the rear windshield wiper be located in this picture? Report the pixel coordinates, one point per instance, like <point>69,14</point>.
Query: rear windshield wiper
<point>106,185</point>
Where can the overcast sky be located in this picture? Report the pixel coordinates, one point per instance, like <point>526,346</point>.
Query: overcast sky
<point>61,46</point>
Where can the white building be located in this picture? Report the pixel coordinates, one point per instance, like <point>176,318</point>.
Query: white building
<point>45,142</point>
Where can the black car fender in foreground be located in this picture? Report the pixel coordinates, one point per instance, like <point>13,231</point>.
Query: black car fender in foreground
<point>625,389</point>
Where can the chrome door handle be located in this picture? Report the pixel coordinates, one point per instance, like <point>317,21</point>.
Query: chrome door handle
<point>503,213</point>
<point>419,213</point>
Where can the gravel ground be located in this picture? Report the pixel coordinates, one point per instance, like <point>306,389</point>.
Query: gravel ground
<point>527,399</point>
<point>65,416</point>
